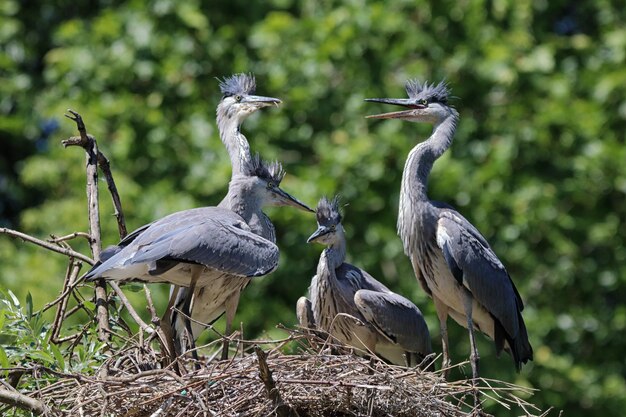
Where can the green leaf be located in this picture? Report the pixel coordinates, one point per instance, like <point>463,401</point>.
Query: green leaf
<point>58,356</point>
<point>16,302</point>
<point>42,356</point>
<point>4,360</point>
<point>29,305</point>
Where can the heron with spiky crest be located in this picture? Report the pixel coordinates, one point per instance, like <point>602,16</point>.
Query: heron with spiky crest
<point>209,302</point>
<point>452,261</point>
<point>237,104</point>
<point>216,249</point>
<point>352,306</point>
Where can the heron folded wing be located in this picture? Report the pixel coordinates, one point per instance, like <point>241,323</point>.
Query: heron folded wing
<point>221,244</point>
<point>398,319</point>
<point>360,278</point>
<point>129,238</point>
<point>211,236</point>
<point>468,254</point>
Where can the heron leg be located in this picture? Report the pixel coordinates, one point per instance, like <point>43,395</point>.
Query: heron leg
<point>168,340</point>
<point>231,308</point>
<point>442,314</point>
<point>468,301</point>
<point>186,310</point>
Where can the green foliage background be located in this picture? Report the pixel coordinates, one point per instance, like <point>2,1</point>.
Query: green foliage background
<point>537,164</point>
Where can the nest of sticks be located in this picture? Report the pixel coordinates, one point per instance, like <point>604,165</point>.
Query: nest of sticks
<point>321,380</point>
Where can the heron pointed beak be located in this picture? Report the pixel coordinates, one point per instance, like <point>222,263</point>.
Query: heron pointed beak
<point>284,199</point>
<point>321,231</point>
<point>261,101</point>
<point>404,102</point>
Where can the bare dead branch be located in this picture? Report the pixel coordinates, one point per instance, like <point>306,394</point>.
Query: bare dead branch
<point>142,324</point>
<point>88,143</point>
<point>22,401</point>
<point>282,409</point>
<point>59,239</point>
<point>71,285</point>
<point>154,317</point>
<point>73,269</point>
<point>105,166</point>
<point>47,245</point>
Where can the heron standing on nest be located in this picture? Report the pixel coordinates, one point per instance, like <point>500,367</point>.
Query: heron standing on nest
<point>452,261</point>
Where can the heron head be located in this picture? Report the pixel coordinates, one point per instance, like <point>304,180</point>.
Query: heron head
<point>266,178</point>
<point>238,99</point>
<point>427,103</point>
<point>329,228</point>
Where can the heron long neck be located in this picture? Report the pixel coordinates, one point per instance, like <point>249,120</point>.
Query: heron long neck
<point>236,143</point>
<point>335,254</point>
<point>245,204</point>
<point>415,215</point>
<point>422,157</point>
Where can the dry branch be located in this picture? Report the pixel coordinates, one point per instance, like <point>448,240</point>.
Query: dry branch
<point>88,143</point>
<point>282,409</point>
<point>71,277</point>
<point>105,166</point>
<point>47,245</point>
<point>25,402</point>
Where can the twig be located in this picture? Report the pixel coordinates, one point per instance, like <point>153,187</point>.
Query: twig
<point>163,408</point>
<point>71,276</point>
<point>142,324</point>
<point>154,317</point>
<point>282,409</point>
<point>22,401</point>
<point>56,239</point>
<point>72,283</point>
<point>105,166</point>
<point>88,143</point>
<point>47,245</point>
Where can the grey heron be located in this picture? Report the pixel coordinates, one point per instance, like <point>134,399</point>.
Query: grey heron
<point>452,261</point>
<point>218,249</point>
<point>352,306</point>
<point>209,302</point>
<point>238,102</point>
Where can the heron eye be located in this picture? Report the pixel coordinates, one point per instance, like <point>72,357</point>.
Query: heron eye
<point>238,98</point>
<point>270,185</point>
<point>423,102</point>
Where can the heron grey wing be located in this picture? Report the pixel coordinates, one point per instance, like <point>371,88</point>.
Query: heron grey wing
<point>221,243</point>
<point>448,210</point>
<point>129,238</point>
<point>113,250</point>
<point>477,267</point>
<point>360,279</point>
<point>398,319</point>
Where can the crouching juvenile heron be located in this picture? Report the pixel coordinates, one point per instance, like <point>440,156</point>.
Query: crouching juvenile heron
<point>355,308</point>
<point>215,248</point>
<point>452,261</point>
